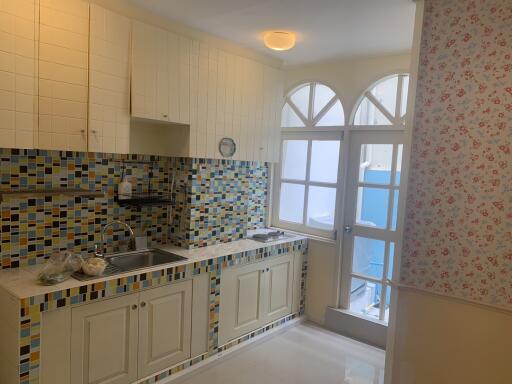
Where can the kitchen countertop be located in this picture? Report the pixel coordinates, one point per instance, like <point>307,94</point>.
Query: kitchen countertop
<point>22,282</point>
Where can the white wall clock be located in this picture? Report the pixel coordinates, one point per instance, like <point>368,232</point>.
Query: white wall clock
<point>227,147</point>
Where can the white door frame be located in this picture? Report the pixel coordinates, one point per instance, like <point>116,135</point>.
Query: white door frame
<point>352,185</point>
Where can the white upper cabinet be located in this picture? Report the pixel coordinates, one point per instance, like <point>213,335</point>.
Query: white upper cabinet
<point>17,73</point>
<point>109,81</point>
<point>63,74</point>
<point>216,93</point>
<point>160,74</point>
<point>68,79</point>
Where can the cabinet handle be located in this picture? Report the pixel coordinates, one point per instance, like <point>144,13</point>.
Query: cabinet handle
<point>134,307</point>
<point>268,269</point>
<point>143,304</point>
<point>263,271</point>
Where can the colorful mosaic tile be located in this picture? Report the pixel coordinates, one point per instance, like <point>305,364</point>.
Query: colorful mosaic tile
<point>35,227</point>
<point>32,307</point>
<point>224,199</point>
<point>216,201</point>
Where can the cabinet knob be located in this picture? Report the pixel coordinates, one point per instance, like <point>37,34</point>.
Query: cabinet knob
<point>94,131</point>
<point>268,269</point>
<point>134,306</point>
<point>143,304</point>
<point>164,116</point>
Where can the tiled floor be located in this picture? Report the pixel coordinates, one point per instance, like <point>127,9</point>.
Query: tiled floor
<point>300,355</point>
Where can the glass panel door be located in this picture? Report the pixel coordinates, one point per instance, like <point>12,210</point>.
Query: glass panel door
<point>370,223</point>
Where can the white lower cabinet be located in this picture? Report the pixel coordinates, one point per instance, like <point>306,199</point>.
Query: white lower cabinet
<point>131,337</point>
<point>241,308</point>
<point>104,341</point>
<point>164,327</point>
<point>254,295</point>
<point>120,340</point>
<point>279,276</point>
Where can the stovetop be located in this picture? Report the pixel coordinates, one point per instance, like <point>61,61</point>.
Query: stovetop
<point>270,236</point>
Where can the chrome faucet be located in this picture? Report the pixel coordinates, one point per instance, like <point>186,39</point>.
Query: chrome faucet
<point>101,249</point>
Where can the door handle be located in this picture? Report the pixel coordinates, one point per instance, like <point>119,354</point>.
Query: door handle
<point>347,229</point>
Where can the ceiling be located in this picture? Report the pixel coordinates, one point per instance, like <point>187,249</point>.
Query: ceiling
<point>327,29</point>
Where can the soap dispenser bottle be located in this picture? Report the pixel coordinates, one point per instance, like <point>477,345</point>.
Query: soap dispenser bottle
<point>124,190</point>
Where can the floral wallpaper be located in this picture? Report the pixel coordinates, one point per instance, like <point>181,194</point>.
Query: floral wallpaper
<point>458,237</point>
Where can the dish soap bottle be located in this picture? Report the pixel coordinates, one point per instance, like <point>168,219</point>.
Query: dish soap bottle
<point>125,189</point>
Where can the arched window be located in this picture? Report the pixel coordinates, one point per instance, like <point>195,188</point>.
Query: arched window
<point>312,105</point>
<point>306,185</point>
<point>385,103</point>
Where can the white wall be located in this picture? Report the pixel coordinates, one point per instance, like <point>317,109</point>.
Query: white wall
<point>449,341</point>
<point>349,78</point>
<point>321,280</point>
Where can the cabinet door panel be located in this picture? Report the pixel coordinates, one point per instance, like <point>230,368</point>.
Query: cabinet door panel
<point>17,74</point>
<point>164,327</point>
<point>104,342</point>
<point>109,93</point>
<point>162,78</point>
<point>173,86</point>
<point>149,72</point>
<point>184,80</point>
<point>247,311</point>
<point>241,294</point>
<point>63,68</point>
<point>278,297</point>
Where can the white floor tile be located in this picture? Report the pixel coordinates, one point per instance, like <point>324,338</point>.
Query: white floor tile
<point>300,355</point>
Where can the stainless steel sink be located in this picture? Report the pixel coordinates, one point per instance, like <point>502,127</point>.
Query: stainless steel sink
<point>131,261</point>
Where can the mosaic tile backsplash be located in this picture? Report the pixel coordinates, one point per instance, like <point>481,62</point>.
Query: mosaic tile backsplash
<point>223,198</point>
<point>216,201</point>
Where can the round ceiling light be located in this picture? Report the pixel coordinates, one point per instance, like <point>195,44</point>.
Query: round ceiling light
<point>279,40</point>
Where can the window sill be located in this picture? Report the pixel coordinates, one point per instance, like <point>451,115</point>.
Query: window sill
<point>320,239</point>
<point>362,317</point>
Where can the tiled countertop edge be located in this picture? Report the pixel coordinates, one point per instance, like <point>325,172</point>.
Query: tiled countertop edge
<point>22,283</point>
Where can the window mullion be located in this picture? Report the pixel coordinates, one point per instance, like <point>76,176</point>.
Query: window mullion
<point>291,181</point>
<point>371,279</point>
<point>298,113</point>
<point>380,107</point>
<point>363,184</point>
<point>391,197</point>
<point>325,109</point>
<point>322,184</point>
<point>382,312</point>
<point>306,189</point>
<point>311,102</point>
<point>398,106</point>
